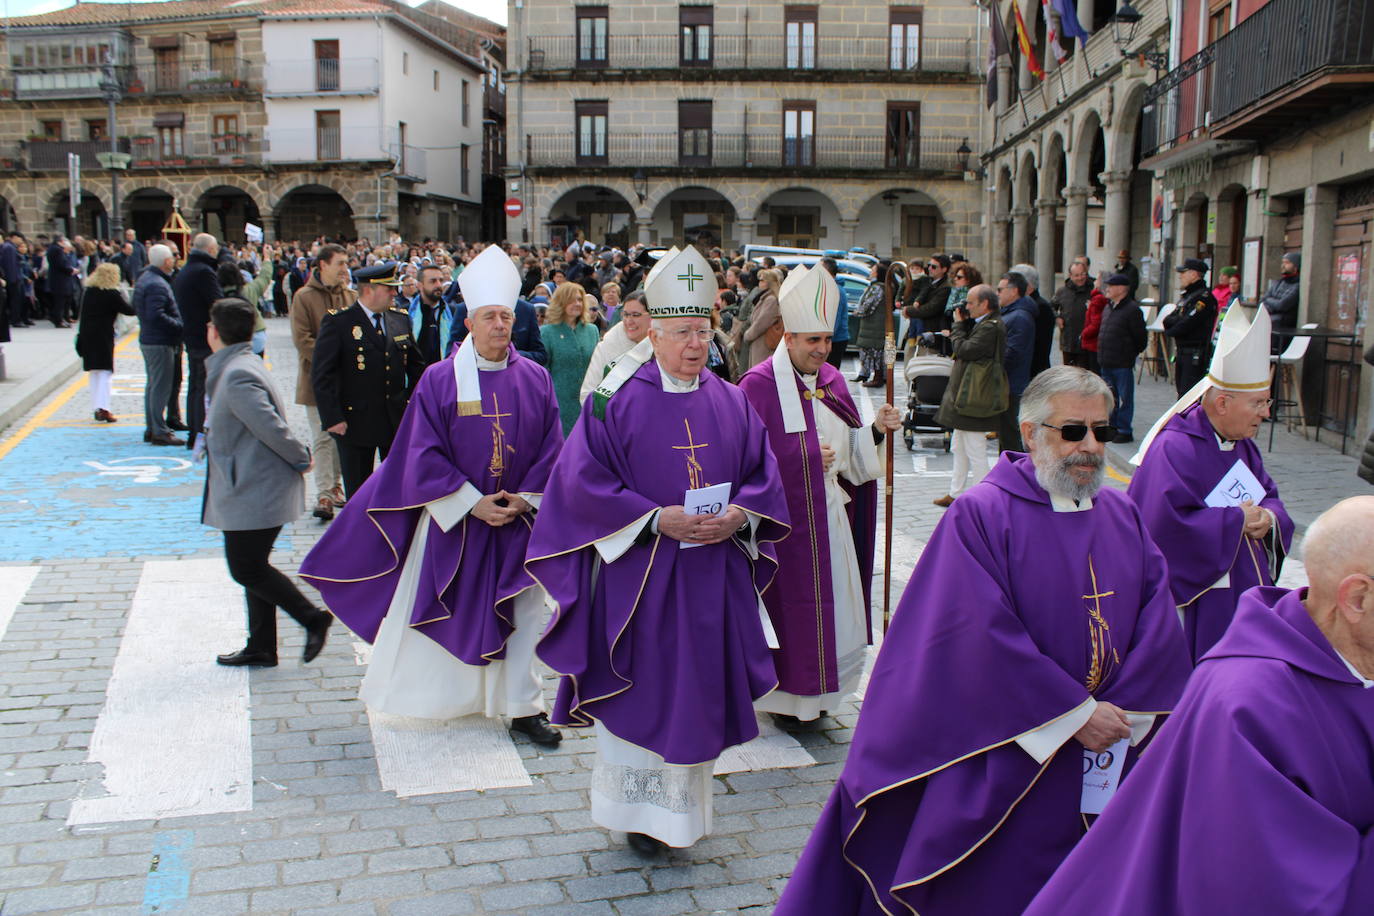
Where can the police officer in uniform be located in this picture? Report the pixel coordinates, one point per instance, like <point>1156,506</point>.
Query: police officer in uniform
<point>1190,325</point>
<point>364,367</point>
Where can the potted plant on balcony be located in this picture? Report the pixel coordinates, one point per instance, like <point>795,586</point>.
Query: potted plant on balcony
<point>135,86</point>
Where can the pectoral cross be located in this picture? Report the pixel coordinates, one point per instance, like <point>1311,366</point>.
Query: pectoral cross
<point>1103,654</point>
<point>499,446</point>
<point>696,474</point>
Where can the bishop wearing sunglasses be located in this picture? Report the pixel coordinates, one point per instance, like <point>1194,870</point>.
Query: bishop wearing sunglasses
<point>1037,625</point>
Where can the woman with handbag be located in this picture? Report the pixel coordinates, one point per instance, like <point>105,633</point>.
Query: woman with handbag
<point>101,304</point>
<point>977,392</point>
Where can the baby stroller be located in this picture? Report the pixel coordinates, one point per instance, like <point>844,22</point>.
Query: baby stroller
<point>928,377</point>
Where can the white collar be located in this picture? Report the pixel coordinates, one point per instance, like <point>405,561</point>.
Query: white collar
<point>1064,504</point>
<point>487,365</point>
<point>1226,445</point>
<point>1353,670</point>
<point>674,385</point>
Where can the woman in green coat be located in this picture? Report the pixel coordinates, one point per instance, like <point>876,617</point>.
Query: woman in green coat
<point>569,340</point>
<point>979,339</point>
<point>872,329</point>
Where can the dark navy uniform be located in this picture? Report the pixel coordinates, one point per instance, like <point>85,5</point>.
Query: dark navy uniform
<point>1190,325</point>
<point>363,377</point>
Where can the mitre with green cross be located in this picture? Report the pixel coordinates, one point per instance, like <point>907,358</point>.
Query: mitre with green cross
<point>681,285</point>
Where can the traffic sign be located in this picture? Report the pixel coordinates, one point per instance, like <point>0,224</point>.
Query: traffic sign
<point>514,207</point>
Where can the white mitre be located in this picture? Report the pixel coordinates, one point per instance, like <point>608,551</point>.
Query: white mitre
<point>808,301</point>
<point>1240,363</point>
<point>681,285</point>
<point>489,279</point>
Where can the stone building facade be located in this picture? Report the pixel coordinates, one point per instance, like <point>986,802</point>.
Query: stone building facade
<point>832,125</point>
<point>303,119</point>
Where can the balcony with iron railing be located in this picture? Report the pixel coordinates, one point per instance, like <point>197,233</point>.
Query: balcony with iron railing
<point>763,56</point>
<point>1287,62</point>
<point>194,78</point>
<point>380,146</point>
<point>322,76</point>
<point>58,83</point>
<point>671,151</point>
<point>147,152</point>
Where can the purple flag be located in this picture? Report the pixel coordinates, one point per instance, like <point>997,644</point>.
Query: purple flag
<point>998,46</point>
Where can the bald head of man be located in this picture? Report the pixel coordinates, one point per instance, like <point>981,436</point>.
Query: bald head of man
<point>207,243</point>
<point>1339,554</point>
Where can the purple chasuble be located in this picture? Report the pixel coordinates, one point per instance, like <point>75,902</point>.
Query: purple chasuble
<point>663,645</point>
<point>473,572</point>
<point>1255,798</point>
<point>801,603</point>
<point>1014,616</point>
<point>1201,543</point>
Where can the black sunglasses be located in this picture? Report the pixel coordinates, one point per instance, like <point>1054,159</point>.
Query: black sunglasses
<point>1075,432</point>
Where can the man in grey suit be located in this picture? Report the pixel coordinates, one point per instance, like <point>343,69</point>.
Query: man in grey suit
<point>254,483</point>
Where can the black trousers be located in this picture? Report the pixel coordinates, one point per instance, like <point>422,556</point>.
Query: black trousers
<point>356,463</point>
<point>174,399</point>
<point>838,349</point>
<point>1190,365</point>
<point>57,308</point>
<point>1009,427</point>
<point>195,397</point>
<point>265,587</point>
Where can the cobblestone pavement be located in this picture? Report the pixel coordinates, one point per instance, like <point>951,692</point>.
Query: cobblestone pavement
<point>136,776</point>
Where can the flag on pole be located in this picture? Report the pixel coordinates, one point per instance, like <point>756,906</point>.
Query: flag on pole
<point>1027,50</point>
<point>998,46</point>
<point>1052,34</point>
<point>1068,21</point>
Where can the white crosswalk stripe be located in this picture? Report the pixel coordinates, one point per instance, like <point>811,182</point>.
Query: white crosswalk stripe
<point>174,735</point>
<point>14,585</point>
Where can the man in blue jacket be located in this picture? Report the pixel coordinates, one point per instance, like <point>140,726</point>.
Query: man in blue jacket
<point>159,335</point>
<point>431,318</point>
<point>1018,315</point>
<point>62,281</point>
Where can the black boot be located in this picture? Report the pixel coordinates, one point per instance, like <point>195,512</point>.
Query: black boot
<point>538,729</point>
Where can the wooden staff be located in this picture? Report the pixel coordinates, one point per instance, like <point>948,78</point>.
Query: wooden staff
<point>891,291</point>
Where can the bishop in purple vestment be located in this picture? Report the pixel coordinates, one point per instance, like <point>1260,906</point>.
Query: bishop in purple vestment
<point>828,457</point>
<point>1037,623</point>
<point>1257,796</point>
<point>657,627</point>
<point>1214,552</point>
<point>427,559</point>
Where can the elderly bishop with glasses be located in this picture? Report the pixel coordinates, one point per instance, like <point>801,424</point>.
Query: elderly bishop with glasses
<point>654,542</point>
<point>1031,656</point>
<point>1203,491</point>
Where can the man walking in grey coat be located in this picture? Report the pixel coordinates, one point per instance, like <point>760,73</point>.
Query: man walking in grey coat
<point>255,483</point>
<point>159,333</point>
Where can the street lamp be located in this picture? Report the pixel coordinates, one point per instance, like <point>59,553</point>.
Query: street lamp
<point>640,181</point>
<point>1125,21</point>
<point>963,152</point>
<point>114,160</point>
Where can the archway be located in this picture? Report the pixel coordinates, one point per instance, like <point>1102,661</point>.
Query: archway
<point>91,219</point>
<point>697,216</point>
<point>1027,192</point>
<point>225,210</point>
<point>310,211</point>
<point>1231,228</point>
<point>1054,171</point>
<point>146,211</point>
<point>800,218</point>
<point>904,222</point>
<point>1197,212</point>
<point>599,214</point>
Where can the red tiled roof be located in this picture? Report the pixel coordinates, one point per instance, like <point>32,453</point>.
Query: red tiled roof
<point>115,13</point>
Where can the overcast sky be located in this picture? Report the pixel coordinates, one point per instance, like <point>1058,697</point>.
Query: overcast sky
<point>494,10</point>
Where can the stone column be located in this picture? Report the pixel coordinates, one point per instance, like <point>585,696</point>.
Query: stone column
<point>643,227</point>
<point>1117,215</point>
<point>1075,223</point>
<point>1003,83</point>
<point>1020,235</point>
<point>1318,230</point>
<point>997,247</point>
<point>1047,209</point>
<point>744,231</point>
<point>849,233</point>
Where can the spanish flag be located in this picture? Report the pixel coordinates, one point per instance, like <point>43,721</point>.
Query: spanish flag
<point>1023,39</point>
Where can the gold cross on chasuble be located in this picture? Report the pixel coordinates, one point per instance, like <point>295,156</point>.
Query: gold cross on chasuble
<point>696,474</point>
<point>499,446</point>
<point>1103,656</point>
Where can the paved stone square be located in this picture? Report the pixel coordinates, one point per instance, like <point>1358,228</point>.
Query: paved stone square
<point>136,776</point>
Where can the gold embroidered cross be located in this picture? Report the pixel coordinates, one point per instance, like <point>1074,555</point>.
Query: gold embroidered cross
<point>696,474</point>
<point>1104,655</point>
<point>499,447</point>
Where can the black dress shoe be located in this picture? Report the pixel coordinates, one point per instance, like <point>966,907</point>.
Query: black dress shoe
<point>315,637</point>
<point>177,426</point>
<point>538,729</point>
<point>166,439</point>
<point>645,845</point>
<point>1122,438</point>
<point>793,724</point>
<point>244,657</point>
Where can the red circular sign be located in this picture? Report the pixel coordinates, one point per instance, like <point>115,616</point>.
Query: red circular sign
<point>514,207</point>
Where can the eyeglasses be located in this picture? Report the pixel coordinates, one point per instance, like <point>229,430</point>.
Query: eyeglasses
<point>683,334</point>
<point>1075,432</point>
<point>934,265</point>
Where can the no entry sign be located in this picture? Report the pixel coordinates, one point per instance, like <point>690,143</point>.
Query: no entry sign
<point>514,207</point>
